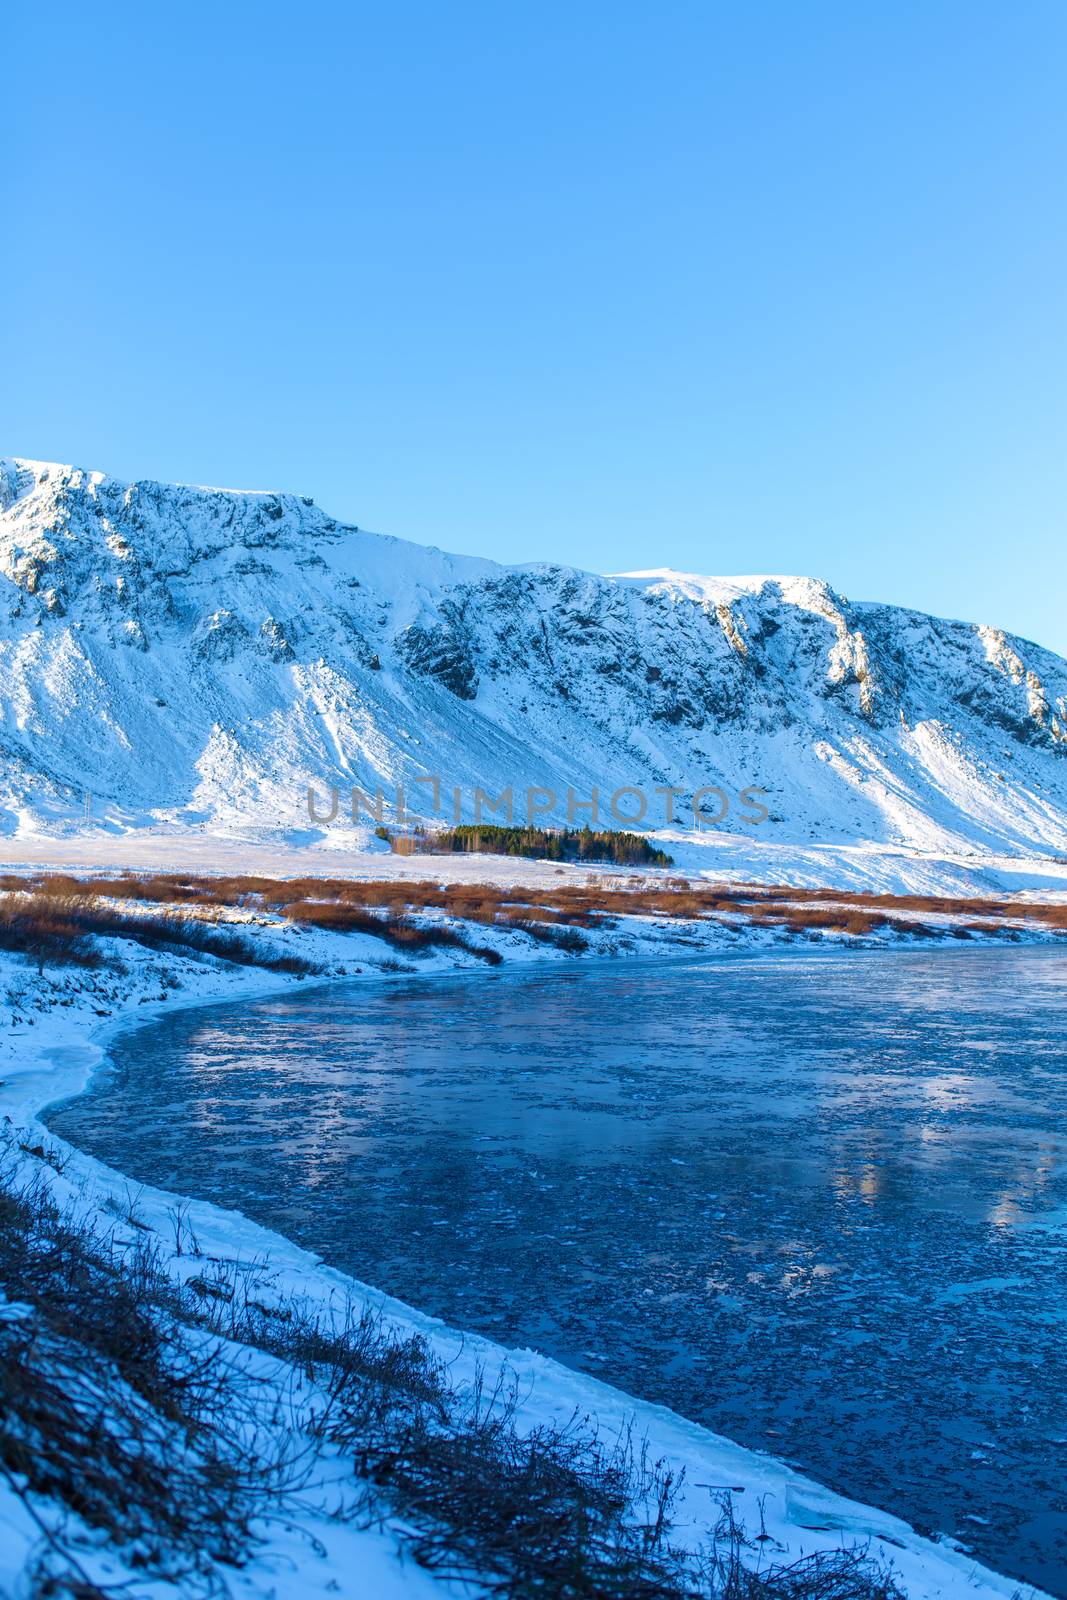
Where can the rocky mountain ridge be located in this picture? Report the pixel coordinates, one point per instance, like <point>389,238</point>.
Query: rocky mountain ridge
<point>196,659</point>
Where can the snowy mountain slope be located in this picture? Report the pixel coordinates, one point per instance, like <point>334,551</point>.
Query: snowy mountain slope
<point>195,659</point>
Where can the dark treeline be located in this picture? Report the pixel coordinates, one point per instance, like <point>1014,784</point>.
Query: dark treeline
<point>556,844</point>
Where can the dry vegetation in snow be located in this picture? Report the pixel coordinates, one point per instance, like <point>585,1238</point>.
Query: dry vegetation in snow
<point>171,1413</point>
<point>57,917</point>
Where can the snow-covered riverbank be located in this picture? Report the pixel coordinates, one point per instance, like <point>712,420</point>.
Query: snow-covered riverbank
<point>58,1026</point>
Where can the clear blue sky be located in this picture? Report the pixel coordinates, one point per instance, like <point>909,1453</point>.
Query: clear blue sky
<point>773,287</point>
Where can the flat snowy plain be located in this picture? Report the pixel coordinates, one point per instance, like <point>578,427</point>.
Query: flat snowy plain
<point>717,857</point>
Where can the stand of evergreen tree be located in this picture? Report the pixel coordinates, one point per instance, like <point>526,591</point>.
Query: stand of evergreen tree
<point>555,844</point>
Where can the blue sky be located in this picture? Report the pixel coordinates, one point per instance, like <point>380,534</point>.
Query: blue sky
<point>762,288</point>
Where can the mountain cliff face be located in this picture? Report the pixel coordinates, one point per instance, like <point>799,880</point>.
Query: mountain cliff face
<point>198,658</point>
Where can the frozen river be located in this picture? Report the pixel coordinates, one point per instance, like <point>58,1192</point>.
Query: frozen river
<point>817,1202</point>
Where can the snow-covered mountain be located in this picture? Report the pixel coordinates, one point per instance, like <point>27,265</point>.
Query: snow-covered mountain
<point>197,658</point>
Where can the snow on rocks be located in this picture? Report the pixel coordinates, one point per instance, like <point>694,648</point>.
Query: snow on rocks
<point>188,662</point>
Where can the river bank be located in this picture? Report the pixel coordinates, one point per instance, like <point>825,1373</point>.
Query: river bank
<point>59,1028</point>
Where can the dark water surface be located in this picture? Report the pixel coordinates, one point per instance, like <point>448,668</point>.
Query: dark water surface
<point>817,1202</point>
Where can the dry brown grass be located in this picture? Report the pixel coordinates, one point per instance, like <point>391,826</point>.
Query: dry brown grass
<point>63,927</point>
<point>55,915</point>
<point>100,1387</point>
<point>121,1401</point>
<point>1047,914</point>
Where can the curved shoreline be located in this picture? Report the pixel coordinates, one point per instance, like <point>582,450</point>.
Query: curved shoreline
<point>62,1066</point>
